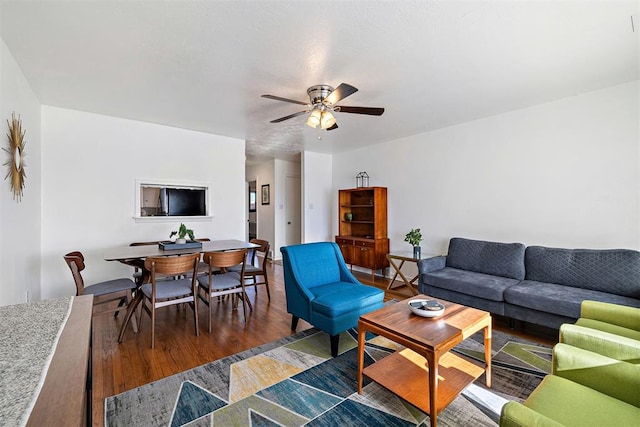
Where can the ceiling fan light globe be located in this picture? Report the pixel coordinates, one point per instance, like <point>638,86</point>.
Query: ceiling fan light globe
<point>314,119</point>
<point>327,120</point>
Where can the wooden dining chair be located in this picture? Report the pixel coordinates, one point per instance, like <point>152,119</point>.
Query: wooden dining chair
<point>161,292</point>
<point>255,268</point>
<point>203,268</point>
<point>225,282</point>
<point>138,263</point>
<point>104,293</point>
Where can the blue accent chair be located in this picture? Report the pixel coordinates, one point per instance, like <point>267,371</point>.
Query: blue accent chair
<point>321,290</point>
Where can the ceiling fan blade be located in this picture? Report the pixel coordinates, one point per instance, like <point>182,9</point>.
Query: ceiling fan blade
<point>279,98</point>
<point>339,93</point>
<point>290,116</point>
<point>335,126</point>
<point>360,110</point>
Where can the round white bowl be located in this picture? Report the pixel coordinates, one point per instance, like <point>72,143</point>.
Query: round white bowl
<point>426,312</point>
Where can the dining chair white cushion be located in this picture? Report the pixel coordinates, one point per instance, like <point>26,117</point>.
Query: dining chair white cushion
<point>110,286</point>
<point>220,281</point>
<point>168,288</point>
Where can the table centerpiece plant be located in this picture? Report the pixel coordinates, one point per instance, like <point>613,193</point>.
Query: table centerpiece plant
<point>182,232</point>
<point>414,237</point>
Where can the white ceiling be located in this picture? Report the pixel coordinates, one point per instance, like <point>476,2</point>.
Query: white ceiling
<point>203,65</point>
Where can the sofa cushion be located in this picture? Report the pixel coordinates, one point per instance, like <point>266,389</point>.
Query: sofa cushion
<point>497,259</point>
<point>558,299</point>
<point>468,282</point>
<point>615,271</point>
<point>496,307</point>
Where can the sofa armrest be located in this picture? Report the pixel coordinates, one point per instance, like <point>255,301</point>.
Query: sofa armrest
<point>615,314</point>
<point>620,380</point>
<point>604,343</point>
<point>428,265</point>
<point>515,414</point>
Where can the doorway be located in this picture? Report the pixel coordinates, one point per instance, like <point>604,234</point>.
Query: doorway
<point>293,210</point>
<point>252,217</point>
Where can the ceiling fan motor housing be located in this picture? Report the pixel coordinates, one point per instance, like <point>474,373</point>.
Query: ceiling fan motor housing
<point>318,93</point>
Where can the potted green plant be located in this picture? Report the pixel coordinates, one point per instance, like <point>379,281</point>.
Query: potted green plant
<point>182,232</point>
<point>414,237</point>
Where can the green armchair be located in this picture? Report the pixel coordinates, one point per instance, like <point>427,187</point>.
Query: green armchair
<point>585,389</point>
<point>608,329</point>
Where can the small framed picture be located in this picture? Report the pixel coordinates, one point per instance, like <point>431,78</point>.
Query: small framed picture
<point>266,198</point>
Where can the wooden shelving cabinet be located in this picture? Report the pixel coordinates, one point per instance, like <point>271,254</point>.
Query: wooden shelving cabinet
<point>362,236</point>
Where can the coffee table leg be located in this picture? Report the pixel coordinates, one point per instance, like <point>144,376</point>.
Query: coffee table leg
<point>361,335</point>
<point>487,353</point>
<point>432,360</point>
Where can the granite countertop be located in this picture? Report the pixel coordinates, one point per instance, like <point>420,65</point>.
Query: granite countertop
<point>28,337</point>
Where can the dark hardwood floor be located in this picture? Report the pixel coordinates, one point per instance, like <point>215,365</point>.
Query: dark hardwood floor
<point>132,363</point>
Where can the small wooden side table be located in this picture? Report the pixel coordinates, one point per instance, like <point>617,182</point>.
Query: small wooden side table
<point>425,373</point>
<point>396,261</point>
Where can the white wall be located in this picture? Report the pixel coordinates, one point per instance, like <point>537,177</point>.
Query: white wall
<point>319,200</point>
<point>20,222</point>
<point>562,174</point>
<point>88,191</point>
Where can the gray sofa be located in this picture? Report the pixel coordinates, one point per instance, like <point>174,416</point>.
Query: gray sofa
<point>535,284</point>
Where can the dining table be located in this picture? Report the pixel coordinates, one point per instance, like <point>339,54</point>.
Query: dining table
<point>135,256</point>
<point>122,253</point>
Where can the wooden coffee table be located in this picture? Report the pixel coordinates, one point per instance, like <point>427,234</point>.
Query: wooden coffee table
<point>426,356</point>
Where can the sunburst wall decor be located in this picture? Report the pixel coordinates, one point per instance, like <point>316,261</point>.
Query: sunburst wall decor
<point>16,152</point>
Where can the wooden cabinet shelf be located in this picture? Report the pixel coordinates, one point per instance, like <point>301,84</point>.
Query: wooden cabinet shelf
<point>363,238</point>
<point>360,222</point>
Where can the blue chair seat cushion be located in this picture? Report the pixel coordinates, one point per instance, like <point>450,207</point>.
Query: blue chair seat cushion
<point>168,289</point>
<point>220,281</point>
<point>335,299</point>
<point>109,287</point>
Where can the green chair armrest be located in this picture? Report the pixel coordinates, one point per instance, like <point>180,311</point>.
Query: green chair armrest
<point>615,314</point>
<point>618,379</point>
<point>515,414</point>
<point>604,343</point>
<point>608,327</point>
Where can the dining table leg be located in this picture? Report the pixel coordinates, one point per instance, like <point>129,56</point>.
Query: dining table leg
<point>130,312</point>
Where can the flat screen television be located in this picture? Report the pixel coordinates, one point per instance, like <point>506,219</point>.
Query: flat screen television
<point>186,202</point>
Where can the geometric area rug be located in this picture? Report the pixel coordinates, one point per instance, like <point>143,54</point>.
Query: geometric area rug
<point>294,381</point>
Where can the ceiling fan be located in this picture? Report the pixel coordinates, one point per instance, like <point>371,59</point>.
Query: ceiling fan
<point>322,105</point>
